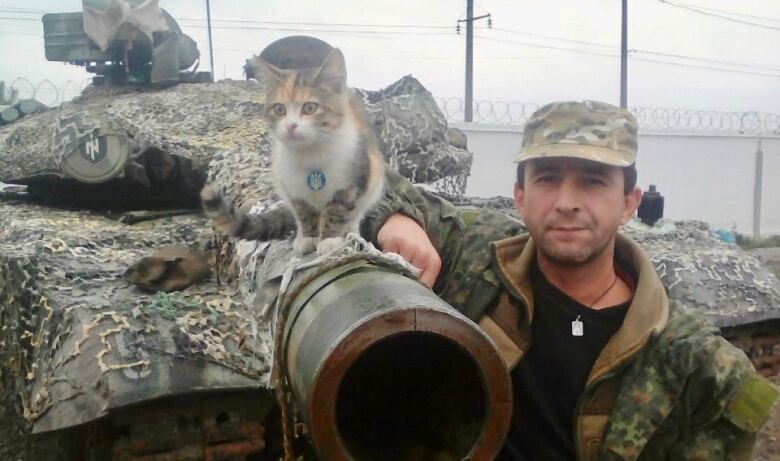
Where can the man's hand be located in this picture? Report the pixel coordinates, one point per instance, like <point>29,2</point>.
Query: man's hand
<point>401,234</point>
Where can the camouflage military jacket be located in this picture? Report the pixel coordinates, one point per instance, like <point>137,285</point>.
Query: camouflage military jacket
<point>666,386</point>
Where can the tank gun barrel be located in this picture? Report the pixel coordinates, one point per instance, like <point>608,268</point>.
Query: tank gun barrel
<point>382,369</point>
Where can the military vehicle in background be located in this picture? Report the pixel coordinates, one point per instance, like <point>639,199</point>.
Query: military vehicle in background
<point>93,368</point>
<point>123,42</point>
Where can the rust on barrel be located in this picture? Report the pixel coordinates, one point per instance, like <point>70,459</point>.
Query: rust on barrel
<point>382,369</point>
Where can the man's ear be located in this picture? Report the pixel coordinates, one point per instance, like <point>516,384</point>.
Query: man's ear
<point>519,195</point>
<point>632,201</point>
<point>268,73</point>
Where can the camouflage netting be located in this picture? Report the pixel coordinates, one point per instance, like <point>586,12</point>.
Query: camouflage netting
<point>77,340</point>
<point>720,280</point>
<point>220,128</point>
<point>412,132</point>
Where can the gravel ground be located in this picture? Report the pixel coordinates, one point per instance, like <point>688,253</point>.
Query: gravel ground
<point>768,442</point>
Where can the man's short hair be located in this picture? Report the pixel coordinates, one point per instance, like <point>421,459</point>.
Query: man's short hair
<point>629,177</point>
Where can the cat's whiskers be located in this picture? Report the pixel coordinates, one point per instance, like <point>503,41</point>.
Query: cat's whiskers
<point>329,173</point>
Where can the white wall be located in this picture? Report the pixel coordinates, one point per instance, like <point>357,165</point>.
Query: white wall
<point>704,176</point>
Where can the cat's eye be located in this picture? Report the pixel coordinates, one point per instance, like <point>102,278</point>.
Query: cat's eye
<point>278,109</point>
<point>309,107</point>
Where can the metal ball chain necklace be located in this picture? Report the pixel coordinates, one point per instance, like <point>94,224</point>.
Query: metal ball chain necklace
<point>577,328</point>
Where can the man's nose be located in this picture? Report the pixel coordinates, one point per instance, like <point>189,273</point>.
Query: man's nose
<point>568,198</point>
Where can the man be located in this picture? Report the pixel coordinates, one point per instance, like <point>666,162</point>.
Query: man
<point>603,365</point>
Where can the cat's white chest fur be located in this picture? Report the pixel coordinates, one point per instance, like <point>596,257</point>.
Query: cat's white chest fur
<point>314,172</point>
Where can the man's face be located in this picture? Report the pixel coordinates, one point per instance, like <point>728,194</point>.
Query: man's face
<point>573,207</point>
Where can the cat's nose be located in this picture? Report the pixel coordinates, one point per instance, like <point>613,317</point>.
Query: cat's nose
<point>291,127</point>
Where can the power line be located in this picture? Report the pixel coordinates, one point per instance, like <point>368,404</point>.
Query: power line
<point>704,67</point>
<point>636,50</point>
<point>329,24</point>
<point>551,47</point>
<point>760,18</point>
<point>715,15</point>
<point>359,32</point>
<point>281,23</point>
<point>377,33</point>
<point>21,10</point>
<point>658,61</point>
<point>529,34</point>
<point>21,19</point>
<point>713,61</point>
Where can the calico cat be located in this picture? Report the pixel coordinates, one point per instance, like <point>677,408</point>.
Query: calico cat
<point>326,162</point>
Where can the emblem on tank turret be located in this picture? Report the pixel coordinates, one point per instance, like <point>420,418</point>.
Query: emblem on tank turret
<point>94,150</point>
<point>90,147</point>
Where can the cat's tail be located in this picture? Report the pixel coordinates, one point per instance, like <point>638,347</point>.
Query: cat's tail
<point>272,225</point>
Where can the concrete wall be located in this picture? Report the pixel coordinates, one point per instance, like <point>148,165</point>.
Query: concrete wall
<point>704,176</point>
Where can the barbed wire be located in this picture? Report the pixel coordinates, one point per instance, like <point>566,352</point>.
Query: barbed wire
<point>485,112</point>
<point>46,92</point>
<point>652,118</point>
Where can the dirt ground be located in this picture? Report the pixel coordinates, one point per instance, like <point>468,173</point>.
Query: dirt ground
<point>768,442</point>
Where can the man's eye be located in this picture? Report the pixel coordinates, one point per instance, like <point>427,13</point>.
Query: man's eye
<point>279,109</point>
<point>595,181</point>
<point>309,107</point>
<point>546,178</point>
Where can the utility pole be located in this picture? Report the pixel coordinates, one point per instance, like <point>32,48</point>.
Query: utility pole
<point>469,113</point>
<point>211,48</point>
<point>757,187</point>
<point>624,57</point>
<point>469,61</point>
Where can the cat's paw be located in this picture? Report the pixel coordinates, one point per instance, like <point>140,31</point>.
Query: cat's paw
<point>304,245</point>
<point>329,244</point>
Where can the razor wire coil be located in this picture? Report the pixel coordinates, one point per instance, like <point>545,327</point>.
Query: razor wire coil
<point>649,118</point>
<point>46,92</point>
<point>485,111</point>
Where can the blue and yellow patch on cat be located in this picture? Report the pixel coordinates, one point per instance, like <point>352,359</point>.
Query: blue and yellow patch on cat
<point>315,180</point>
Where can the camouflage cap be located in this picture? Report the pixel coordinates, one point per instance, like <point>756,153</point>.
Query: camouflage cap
<point>589,130</point>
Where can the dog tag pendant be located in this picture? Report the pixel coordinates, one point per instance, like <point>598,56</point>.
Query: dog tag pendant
<point>577,327</point>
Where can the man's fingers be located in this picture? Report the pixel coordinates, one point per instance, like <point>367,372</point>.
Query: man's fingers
<point>402,235</point>
<point>392,246</point>
<point>430,265</point>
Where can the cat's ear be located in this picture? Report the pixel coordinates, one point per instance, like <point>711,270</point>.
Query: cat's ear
<point>257,67</point>
<point>333,72</point>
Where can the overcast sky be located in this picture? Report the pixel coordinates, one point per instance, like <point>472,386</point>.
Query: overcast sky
<point>536,51</point>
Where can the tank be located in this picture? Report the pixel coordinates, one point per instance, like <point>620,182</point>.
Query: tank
<point>93,368</point>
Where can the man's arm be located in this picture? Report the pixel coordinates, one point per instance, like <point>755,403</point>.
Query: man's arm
<point>423,228</point>
<point>728,404</point>
<point>461,238</point>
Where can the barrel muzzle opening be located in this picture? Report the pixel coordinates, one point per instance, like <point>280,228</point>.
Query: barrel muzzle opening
<point>414,395</point>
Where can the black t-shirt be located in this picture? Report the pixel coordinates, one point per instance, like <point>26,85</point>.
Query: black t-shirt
<point>550,378</point>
